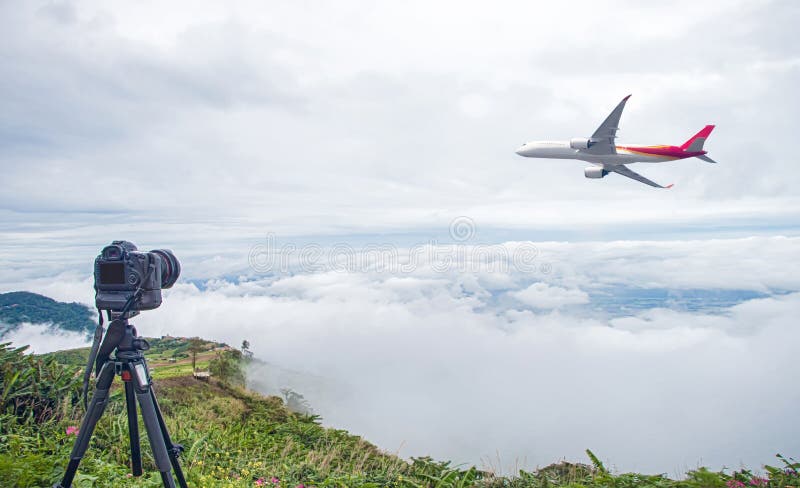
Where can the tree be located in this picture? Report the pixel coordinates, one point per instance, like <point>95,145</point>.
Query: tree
<point>246,352</point>
<point>195,346</point>
<point>296,402</point>
<point>227,367</point>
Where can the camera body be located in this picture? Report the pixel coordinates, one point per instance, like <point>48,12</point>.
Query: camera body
<point>120,271</point>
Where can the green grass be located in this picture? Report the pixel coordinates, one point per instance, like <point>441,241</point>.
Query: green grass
<point>161,350</point>
<point>237,438</point>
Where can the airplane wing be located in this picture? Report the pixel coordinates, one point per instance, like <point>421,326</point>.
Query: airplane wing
<point>624,171</point>
<point>604,136</point>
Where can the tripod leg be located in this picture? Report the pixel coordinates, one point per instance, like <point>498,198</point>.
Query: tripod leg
<point>93,413</point>
<point>173,449</point>
<point>151,424</point>
<point>133,429</point>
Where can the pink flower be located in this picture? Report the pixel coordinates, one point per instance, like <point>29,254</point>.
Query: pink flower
<point>759,481</point>
<point>734,484</point>
<point>275,480</point>
<point>300,486</point>
<point>259,481</point>
<point>71,430</point>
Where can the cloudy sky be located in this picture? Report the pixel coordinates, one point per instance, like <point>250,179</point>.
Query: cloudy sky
<point>652,326</point>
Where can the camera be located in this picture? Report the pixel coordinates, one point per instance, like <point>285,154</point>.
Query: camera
<point>123,274</point>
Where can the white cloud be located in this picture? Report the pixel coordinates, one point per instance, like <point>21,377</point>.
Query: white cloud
<point>437,375</point>
<point>542,295</point>
<point>444,362</point>
<point>43,338</point>
<point>440,363</point>
<point>241,111</point>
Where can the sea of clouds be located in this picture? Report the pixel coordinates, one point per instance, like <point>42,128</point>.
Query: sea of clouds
<point>465,356</point>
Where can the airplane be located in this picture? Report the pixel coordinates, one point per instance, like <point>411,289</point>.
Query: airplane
<point>607,157</point>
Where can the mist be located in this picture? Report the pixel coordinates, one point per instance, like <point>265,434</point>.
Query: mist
<point>44,338</point>
<point>509,369</point>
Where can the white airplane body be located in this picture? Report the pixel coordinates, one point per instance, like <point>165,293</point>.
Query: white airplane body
<point>607,157</point>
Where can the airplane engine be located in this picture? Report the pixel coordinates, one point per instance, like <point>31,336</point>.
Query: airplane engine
<point>594,172</point>
<point>581,143</point>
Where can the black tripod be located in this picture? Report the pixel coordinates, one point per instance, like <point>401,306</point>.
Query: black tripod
<point>129,363</point>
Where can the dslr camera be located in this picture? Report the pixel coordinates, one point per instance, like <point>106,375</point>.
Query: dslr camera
<point>123,274</point>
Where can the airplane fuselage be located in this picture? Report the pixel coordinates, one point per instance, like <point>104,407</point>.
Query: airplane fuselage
<point>606,157</point>
<point>631,153</point>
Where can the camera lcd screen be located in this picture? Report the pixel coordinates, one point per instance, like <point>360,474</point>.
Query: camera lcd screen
<point>112,273</point>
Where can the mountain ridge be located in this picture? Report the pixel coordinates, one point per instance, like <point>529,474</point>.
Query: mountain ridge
<point>20,307</point>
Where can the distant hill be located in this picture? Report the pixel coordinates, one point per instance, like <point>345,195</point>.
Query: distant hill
<point>20,307</point>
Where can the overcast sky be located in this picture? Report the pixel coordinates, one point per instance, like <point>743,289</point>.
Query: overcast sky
<point>313,118</point>
<point>208,127</point>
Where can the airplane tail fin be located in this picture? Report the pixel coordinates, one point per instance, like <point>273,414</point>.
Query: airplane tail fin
<point>696,142</point>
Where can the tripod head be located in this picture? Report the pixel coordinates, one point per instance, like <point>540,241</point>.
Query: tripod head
<point>122,338</point>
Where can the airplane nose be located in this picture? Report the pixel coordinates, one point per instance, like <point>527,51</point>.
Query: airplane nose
<point>521,150</point>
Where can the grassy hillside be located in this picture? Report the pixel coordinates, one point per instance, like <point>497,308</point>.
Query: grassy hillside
<point>238,438</point>
<point>168,356</point>
<point>21,306</point>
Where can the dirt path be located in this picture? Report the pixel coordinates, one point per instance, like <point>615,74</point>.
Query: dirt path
<point>203,356</point>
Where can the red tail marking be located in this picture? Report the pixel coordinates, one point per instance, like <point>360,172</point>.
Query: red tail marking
<point>704,132</point>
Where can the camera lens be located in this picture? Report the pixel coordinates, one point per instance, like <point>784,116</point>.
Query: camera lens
<point>170,267</point>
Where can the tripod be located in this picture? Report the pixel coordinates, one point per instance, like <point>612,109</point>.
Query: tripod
<point>129,363</point>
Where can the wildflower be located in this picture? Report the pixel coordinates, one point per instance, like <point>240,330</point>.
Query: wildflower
<point>734,484</point>
<point>275,480</point>
<point>72,430</point>
<point>260,482</point>
<point>759,481</point>
<point>790,471</point>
